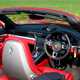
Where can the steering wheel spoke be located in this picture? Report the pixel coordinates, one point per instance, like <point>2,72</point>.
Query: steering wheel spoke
<point>54,54</point>
<point>48,42</point>
<point>65,47</point>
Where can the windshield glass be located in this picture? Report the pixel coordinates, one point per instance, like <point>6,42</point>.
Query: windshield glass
<point>24,18</point>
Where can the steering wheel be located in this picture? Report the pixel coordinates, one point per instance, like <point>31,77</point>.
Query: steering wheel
<point>57,45</point>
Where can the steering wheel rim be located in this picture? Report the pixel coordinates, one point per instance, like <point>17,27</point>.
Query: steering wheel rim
<point>58,47</point>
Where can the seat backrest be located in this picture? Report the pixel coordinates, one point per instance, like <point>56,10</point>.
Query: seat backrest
<point>17,59</point>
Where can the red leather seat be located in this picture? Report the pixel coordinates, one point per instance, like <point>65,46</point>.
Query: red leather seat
<point>12,40</point>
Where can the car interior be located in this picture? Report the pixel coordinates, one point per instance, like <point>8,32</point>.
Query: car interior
<point>39,47</point>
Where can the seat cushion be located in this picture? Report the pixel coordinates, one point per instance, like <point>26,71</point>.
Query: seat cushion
<point>50,76</point>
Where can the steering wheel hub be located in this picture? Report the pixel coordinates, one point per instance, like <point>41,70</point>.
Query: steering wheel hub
<point>56,46</point>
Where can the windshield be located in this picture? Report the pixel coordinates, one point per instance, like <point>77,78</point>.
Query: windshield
<point>25,18</point>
